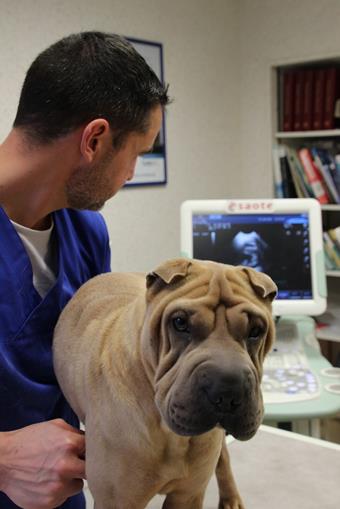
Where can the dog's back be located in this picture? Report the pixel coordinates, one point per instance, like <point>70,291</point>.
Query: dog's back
<point>105,299</point>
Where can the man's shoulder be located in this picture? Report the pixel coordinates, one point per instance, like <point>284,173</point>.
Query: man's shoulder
<point>85,222</point>
<point>84,234</point>
<point>88,217</point>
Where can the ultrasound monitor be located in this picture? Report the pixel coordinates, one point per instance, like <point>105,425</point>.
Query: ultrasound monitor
<point>282,238</point>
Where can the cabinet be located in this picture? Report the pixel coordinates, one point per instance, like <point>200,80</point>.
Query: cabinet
<point>328,330</point>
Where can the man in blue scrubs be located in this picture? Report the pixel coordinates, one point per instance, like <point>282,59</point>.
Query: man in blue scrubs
<point>89,106</point>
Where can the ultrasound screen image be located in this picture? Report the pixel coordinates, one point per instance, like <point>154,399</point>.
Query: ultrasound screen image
<point>276,244</point>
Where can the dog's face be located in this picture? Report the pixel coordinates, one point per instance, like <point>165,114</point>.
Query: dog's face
<point>207,329</point>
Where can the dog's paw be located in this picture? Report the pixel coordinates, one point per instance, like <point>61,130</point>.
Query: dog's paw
<point>234,503</point>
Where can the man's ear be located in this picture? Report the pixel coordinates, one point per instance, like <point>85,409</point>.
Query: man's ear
<point>96,134</point>
<point>263,285</point>
<point>168,272</point>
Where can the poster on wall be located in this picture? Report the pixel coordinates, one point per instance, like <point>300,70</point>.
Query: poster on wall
<point>151,168</point>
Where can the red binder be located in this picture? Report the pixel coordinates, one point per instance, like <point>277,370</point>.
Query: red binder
<point>319,98</point>
<point>307,109</point>
<point>331,95</point>
<point>313,176</point>
<point>288,100</point>
<point>298,99</point>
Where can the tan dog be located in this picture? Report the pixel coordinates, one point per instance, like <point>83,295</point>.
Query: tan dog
<point>159,375</point>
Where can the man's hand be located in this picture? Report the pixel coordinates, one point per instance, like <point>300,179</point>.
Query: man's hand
<point>42,465</point>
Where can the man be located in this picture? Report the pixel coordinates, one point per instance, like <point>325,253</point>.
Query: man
<point>89,106</point>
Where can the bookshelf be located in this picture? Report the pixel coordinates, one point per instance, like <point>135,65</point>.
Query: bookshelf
<point>331,218</point>
<point>329,133</point>
<point>296,138</point>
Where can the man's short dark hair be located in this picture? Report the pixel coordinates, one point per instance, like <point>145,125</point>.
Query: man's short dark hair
<point>86,76</point>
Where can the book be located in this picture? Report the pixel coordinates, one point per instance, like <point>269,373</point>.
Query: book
<point>278,153</point>
<point>296,177</point>
<point>332,252</point>
<point>331,96</point>
<point>308,96</point>
<point>319,98</point>
<point>337,114</point>
<point>295,163</point>
<point>284,185</point>
<point>296,181</point>
<point>334,234</point>
<point>280,103</point>
<point>326,166</point>
<point>313,175</point>
<point>297,169</point>
<point>288,99</point>
<point>336,174</point>
<point>329,263</point>
<point>298,99</point>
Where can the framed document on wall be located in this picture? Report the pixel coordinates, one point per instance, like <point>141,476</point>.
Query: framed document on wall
<point>151,168</point>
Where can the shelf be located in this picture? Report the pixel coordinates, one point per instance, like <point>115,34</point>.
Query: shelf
<point>330,331</point>
<point>328,334</point>
<point>333,273</point>
<point>325,133</point>
<point>330,207</point>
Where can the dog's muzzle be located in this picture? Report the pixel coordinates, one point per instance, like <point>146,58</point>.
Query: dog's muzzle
<point>228,398</point>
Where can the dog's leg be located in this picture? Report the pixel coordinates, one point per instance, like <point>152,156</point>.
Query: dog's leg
<point>114,497</point>
<point>113,483</point>
<point>228,492</point>
<point>177,500</point>
<point>120,502</point>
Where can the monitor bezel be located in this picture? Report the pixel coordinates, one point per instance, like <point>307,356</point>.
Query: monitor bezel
<point>309,307</point>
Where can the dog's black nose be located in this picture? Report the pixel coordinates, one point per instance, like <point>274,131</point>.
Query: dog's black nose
<point>225,392</point>
<point>224,401</point>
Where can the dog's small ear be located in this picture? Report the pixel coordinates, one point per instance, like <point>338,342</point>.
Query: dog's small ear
<point>263,285</point>
<point>168,271</point>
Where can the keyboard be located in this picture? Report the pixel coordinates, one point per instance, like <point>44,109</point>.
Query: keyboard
<point>286,360</point>
<point>287,377</point>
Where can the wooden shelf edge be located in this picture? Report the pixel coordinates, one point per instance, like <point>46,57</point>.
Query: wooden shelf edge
<point>326,133</point>
<point>331,207</point>
<point>333,273</point>
<point>323,335</point>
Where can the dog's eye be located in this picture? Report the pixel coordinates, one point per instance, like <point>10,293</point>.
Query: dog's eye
<point>255,333</point>
<point>180,323</point>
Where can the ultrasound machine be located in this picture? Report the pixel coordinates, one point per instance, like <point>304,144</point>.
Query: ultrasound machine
<point>282,238</point>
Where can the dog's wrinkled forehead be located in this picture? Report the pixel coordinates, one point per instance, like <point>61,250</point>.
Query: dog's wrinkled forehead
<point>180,270</point>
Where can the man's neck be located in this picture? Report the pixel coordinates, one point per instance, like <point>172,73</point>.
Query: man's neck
<point>32,179</point>
<point>42,224</point>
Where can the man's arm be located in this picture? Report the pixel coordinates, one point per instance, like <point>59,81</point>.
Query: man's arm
<point>43,464</point>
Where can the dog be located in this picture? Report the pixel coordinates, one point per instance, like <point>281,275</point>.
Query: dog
<point>159,369</point>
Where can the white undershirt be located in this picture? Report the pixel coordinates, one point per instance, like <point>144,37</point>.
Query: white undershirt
<point>38,246</point>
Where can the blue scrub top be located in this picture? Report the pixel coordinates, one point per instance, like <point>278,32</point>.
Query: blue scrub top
<point>29,392</point>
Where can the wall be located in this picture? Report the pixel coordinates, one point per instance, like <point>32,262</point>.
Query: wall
<point>218,57</point>
<point>274,32</point>
<point>201,65</point>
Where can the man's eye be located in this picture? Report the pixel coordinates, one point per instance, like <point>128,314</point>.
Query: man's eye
<point>181,324</point>
<point>255,333</point>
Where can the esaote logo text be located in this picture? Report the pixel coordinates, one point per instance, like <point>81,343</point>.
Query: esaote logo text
<point>241,206</point>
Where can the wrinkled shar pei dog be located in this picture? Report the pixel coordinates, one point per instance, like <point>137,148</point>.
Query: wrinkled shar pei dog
<point>160,368</point>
